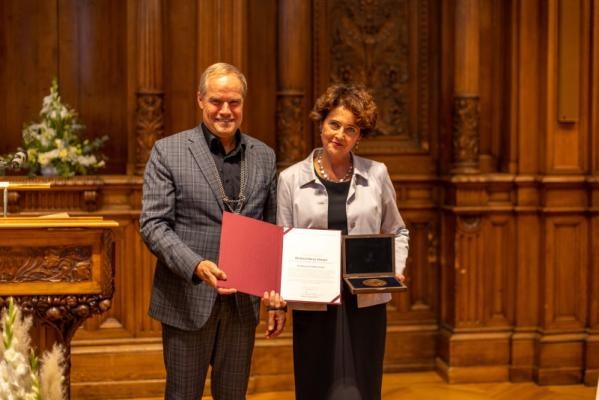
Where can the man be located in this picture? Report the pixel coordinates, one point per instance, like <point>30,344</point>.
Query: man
<point>190,179</point>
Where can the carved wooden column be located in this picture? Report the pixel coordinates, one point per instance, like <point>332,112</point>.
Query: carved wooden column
<point>477,253</point>
<point>149,115</point>
<point>466,87</point>
<point>292,109</point>
<point>477,269</point>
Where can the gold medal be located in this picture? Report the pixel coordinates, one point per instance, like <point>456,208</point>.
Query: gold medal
<point>374,282</point>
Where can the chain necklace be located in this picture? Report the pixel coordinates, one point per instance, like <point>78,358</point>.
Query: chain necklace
<point>233,205</point>
<point>323,173</point>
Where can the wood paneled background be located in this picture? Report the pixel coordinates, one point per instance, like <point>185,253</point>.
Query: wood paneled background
<point>489,126</point>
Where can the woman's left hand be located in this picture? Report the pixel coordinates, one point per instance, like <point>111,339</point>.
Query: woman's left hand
<point>401,278</point>
<point>277,313</point>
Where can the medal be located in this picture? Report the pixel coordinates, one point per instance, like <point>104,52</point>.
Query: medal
<point>374,282</point>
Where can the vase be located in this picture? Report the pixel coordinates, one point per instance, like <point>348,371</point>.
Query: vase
<point>49,170</point>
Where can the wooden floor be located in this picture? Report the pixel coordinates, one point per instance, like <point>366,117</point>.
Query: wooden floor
<point>429,386</point>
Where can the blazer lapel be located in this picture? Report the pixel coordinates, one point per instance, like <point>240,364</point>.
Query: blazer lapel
<point>203,157</point>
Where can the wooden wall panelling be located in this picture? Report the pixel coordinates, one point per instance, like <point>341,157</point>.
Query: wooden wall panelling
<point>92,71</point>
<point>261,72</point>
<point>412,316</point>
<point>564,272</point>
<point>595,91</point>
<point>293,83</point>
<point>222,36</point>
<point>447,281</point>
<point>446,278</point>
<point>567,142</point>
<point>466,96</point>
<point>198,34</point>
<point>477,279</point>
<point>222,33</point>
<point>272,361</point>
<point>526,282</point>
<point>494,87</point>
<point>192,42</point>
<point>29,54</point>
<point>591,373</point>
<point>149,112</point>
<point>181,69</point>
<point>498,269</point>
<point>418,206</point>
<point>131,42</point>
<point>446,85</point>
<point>592,344</point>
<point>568,69</point>
<point>526,99</point>
<point>563,276</point>
<point>510,135</point>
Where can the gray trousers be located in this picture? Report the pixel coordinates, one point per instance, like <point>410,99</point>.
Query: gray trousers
<point>224,342</point>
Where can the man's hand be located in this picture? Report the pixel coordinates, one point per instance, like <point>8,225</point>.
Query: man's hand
<point>209,272</point>
<point>277,313</point>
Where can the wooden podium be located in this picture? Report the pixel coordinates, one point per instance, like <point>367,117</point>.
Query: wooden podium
<point>61,270</point>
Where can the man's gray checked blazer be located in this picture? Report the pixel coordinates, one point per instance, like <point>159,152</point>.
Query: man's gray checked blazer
<point>181,222</point>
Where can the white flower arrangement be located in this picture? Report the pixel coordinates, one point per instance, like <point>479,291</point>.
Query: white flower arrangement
<point>53,144</point>
<point>22,376</point>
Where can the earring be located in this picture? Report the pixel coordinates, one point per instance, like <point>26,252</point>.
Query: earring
<point>356,146</point>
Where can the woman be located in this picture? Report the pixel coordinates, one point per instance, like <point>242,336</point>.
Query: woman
<point>338,350</point>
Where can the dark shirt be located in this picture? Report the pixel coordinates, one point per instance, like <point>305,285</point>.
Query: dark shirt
<point>337,194</point>
<point>227,165</point>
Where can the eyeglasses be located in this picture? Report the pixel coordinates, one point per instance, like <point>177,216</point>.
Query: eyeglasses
<point>348,130</point>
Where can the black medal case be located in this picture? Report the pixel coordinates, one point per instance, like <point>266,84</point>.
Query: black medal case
<point>369,264</point>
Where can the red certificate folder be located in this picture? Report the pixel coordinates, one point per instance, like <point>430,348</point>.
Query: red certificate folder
<point>251,254</point>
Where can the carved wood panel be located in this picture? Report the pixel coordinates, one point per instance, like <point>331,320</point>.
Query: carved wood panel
<point>420,302</point>
<point>24,82</point>
<point>498,266</point>
<point>45,264</point>
<point>567,142</point>
<point>468,269</point>
<point>565,273</point>
<point>387,46</point>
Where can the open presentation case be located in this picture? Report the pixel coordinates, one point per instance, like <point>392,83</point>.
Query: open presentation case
<point>369,264</point>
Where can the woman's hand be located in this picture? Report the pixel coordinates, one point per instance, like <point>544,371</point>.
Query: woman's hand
<point>277,313</point>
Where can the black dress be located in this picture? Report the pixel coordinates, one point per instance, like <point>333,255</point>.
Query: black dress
<point>338,353</point>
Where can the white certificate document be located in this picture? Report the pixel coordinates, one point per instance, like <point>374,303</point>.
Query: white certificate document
<point>310,267</point>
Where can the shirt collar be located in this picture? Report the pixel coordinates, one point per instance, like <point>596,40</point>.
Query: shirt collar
<point>308,174</point>
<point>216,146</point>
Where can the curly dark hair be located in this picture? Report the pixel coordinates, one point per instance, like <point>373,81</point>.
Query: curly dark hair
<point>355,98</point>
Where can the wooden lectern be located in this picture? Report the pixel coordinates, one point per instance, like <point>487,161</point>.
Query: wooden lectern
<point>59,269</point>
